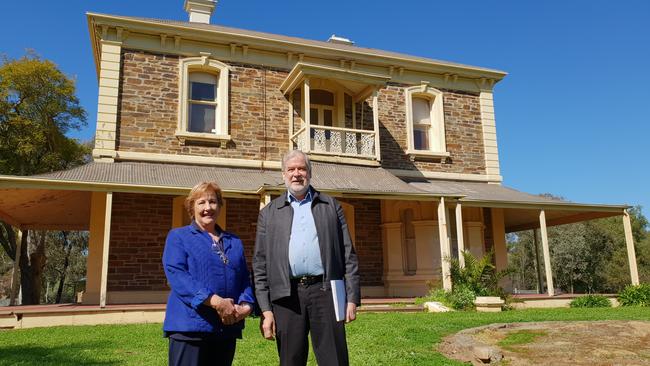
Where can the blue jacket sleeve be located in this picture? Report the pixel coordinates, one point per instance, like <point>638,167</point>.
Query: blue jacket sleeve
<point>245,283</point>
<point>175,259</point>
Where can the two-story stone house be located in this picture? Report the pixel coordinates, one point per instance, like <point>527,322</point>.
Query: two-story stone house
<point>407,144</point>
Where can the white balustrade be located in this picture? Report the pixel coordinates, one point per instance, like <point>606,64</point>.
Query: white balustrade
<point>336,141</point>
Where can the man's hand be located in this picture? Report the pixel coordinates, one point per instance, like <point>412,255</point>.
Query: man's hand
<point>243,311</point>
<point>267,325</point>
<point>225,308</point>
<point>351,312</point>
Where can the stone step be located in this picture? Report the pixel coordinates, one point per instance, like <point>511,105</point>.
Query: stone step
<point>389,308</point>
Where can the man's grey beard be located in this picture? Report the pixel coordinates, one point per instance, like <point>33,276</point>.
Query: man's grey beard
<point>301,192</point>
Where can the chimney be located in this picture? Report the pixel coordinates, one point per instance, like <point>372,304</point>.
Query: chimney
<point>200,10</point>
<point>340,40</point>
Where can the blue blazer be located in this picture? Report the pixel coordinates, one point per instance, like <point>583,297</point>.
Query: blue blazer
<point>195,272</point>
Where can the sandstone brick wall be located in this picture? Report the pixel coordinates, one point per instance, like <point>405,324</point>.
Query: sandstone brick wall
<point>148,114</point>
<point>463,133</point>
<point>139,226</point>
<point>148,110</point>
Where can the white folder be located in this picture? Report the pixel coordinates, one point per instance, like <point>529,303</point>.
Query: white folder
<point>338,295</point>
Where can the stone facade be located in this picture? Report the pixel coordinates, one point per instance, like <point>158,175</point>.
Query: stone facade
<point>463,133</point>
<point>148,114</point>
<point>259,117</point>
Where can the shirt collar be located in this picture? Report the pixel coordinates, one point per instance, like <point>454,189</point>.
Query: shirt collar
<point>292,198</point>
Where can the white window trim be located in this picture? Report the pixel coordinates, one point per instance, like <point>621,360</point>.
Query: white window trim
<point>437,122</point>
<point>203,64</point>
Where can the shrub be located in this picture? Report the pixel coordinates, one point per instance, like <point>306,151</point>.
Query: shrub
<point>591,301</point>
<point>462,297</point>
<point>635,295</point>
<point>479,275</point>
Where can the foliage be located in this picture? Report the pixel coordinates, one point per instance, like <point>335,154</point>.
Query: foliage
<point>586,257</point>
<point>38,106</point>
<point>635,295</point>
<point>435,294</point>
<point>478,275</point>
<point>66,264</point>
<point>373,339</point>
<point>462,297</point>
<point>591,301</point>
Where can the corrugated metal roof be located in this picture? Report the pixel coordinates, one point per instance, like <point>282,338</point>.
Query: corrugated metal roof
<point>349,178</point>
<point>168,175</point>
<point>481,191</point>
<point>329,177</point>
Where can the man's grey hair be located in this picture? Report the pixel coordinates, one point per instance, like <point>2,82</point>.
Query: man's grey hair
<point>292,154</point>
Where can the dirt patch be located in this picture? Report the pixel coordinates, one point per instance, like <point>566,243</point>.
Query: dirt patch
<point>553,343</point>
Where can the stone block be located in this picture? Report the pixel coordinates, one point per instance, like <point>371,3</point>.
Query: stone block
<point>488,303</point>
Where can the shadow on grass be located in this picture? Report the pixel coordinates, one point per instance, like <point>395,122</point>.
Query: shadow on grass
<point>82,353</point>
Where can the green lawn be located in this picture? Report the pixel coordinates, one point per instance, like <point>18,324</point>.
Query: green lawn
<point>374,339</point>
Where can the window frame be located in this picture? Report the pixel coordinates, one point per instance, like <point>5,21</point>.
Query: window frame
<point>203,64</point>
<point>436,138</point>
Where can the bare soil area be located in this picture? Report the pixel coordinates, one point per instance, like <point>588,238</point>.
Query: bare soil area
<point>553,343</point>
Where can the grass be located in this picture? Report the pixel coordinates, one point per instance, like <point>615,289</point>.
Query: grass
<point>374,339</point>
<point>519,338</point>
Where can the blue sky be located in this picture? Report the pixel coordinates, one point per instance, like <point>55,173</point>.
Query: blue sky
<point>573,115</point>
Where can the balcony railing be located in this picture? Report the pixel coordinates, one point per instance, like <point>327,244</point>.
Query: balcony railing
<point>337,141</point>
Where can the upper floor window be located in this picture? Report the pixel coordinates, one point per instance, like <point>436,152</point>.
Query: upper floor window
<point>203,102</point>
<point>421,123</point>
<point>425,121</point>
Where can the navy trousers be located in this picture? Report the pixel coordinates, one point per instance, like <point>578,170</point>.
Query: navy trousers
<point>202,352</point>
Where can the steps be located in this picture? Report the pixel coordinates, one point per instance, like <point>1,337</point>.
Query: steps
<point>389,305</point>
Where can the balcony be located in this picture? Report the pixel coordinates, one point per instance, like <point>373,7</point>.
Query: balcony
<point>337,141</point>
<point>334,112</point>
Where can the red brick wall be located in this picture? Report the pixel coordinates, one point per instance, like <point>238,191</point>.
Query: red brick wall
<point>140,223</point>
<point>139,226</point>
<point>367,219</point>
<point>241,218</point>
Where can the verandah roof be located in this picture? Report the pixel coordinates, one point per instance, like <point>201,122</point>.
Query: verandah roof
<point>521,210</point>
<point>62,199</point>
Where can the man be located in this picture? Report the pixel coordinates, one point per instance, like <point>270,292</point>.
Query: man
<point>302,243</point>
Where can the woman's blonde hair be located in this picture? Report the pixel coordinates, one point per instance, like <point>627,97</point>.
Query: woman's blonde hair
<point>197,191</point>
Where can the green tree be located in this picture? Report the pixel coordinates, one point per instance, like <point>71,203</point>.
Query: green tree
<point>588,256</point>
<point>38,106</point>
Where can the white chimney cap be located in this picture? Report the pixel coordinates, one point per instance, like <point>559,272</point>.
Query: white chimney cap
<point>340,40</point>
<point>200,10</point>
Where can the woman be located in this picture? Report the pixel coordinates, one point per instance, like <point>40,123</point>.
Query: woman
<point>210,287</point>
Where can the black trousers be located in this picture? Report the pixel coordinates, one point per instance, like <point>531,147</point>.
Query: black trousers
<point>309,309</point>
<point>204,352</point>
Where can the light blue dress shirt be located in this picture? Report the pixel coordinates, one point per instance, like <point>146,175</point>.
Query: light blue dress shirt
<point>304,251</point>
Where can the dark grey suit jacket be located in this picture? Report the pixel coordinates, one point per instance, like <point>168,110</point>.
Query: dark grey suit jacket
<point>271,258</point>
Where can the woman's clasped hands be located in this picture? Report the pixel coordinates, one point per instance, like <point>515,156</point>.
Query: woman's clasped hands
<point>229,312</point>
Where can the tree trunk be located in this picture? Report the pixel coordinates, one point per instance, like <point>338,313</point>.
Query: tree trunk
<point>66,263</point>
<point>31,270</point>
